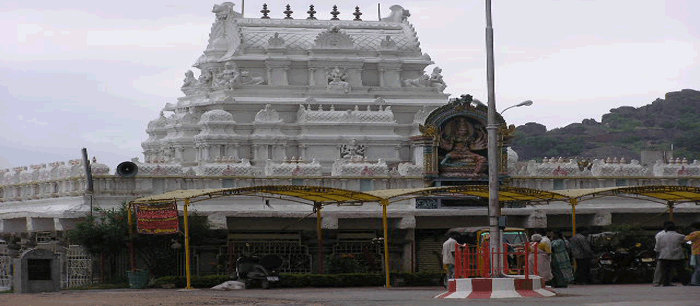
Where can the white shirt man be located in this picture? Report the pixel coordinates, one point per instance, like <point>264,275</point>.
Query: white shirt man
<point>448,257</point>
<point>657,270</point>
<point>669,248</point>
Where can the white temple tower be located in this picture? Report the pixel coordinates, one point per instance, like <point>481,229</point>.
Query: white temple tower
<point>299,89</point>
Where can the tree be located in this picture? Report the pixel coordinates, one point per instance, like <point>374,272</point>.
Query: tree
<point>106,232</point>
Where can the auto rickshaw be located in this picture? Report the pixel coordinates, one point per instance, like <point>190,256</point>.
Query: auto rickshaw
<point>477,238</point>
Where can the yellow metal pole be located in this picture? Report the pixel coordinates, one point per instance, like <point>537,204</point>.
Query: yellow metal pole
<point>385,224</point>
<point>132,251</point>
<point>573,203</point>
<point>319,232</point>
<point>187,246</point>
<point>670,210</point>
<point>129,218</point>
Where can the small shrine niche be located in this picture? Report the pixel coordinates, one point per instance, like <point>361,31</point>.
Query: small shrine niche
<point>455,142</point>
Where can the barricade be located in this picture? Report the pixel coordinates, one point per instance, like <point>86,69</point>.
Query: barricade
<point>475,261</point>
<point>476,279</point>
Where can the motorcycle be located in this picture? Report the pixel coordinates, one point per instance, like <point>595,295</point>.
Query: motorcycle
<point>643,266</point>
<point>604,270</point>
<point>253,270</point>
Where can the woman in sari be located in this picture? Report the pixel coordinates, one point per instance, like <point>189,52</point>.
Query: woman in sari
<point>542,251</point>
<point>561,263</point>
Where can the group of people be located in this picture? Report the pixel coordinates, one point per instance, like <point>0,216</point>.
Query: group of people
<point>554,263</point>
<point>671,256</point>
<point>552,255</point>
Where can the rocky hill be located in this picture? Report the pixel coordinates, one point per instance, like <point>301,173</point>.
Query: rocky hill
<point>624,132</point>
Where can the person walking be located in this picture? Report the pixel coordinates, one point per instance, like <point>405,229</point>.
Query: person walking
<point>694,238</point>
<point>561,263</point>
<point>448,256</point>
<point>582,253</point>
<point>669,248</point>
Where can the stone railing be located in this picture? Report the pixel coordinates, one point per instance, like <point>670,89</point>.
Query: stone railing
<point>293,167</point>
<point>382,114</point>
<point>357,166</point>
<point>603,168</point>
<point>115,187</point>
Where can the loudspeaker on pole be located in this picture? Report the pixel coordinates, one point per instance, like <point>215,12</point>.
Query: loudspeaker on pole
<point>127,169</point>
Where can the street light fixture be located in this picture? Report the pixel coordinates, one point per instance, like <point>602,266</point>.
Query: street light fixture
<point>524,103</point>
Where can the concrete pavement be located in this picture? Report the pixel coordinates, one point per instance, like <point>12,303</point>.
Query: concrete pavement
<point>590,295</point>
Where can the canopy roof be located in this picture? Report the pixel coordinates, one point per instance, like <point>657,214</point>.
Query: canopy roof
<point>656,193</point>
<point>328,195</point>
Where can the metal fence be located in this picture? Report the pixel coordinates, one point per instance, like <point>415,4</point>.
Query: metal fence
<point>295,256</point>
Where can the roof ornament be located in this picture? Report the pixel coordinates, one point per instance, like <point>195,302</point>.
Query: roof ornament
<point>357,14</point>
<point>311,13</point>
<point>335,13</point>
<point>275,41</point>
<point>387,44</point>
<point>398,14</point>
<point>265,11</point>
<point>288,12</point>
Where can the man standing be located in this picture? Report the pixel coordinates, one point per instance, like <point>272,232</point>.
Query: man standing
<point>669,246</point>
<point>657,271</point>
<point>448,256</point>
<point>694,237</point>
<point>582,253</point>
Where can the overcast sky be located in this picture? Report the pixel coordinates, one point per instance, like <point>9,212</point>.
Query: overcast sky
<point>91,74</point>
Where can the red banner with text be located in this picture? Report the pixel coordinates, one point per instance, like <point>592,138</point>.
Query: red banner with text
<point>157,219</point>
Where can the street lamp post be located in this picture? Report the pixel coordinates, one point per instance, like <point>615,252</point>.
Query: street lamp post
<point>492,129</point>
<point>524,103</point>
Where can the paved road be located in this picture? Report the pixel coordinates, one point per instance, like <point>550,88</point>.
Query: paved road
<point>613,295</point>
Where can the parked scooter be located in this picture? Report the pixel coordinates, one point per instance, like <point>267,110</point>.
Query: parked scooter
<point>262,271</point>
<point>643,266</point>
<point>604,269</point>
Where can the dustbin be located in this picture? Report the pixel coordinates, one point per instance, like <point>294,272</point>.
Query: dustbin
<point>138,279</point>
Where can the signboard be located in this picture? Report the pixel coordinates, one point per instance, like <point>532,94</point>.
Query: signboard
<point>157,219</point>
<point>39,269</point>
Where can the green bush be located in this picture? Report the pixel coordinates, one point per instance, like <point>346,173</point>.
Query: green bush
<point>353,263</point>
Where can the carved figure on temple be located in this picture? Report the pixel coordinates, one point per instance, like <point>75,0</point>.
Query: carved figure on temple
<point>421,114</point>
<point>204,81</point>
<point>398,14</point>
<point>189,83</point>
<point>387,43</point>
<point>267,114</point>
<point>229,77</point>
<point>335,75</point>
<point>223,10</point>
<point>436,80</point>
<point>275,41</point>
<point>352,150</point>
<point>218,38</point>
<point>336,80</point>
<point>421,81</point>
<point>247,79</point>
<point>459,140</point>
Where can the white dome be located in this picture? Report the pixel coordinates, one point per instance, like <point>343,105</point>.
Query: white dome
<point>157,123</point>
<point>98,168</point>
<point>216,115</point>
